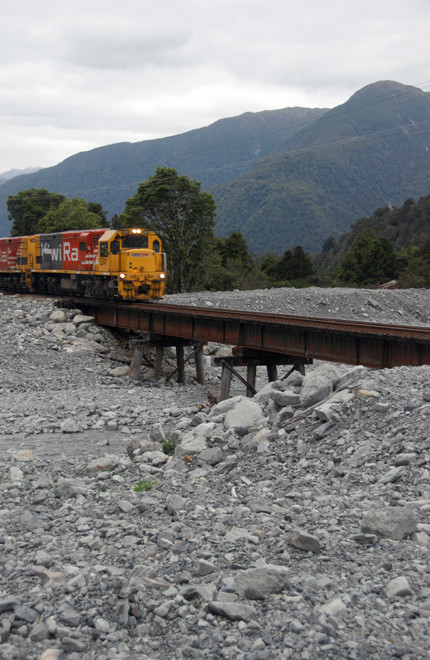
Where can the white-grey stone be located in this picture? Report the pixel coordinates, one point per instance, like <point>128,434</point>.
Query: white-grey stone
<point>398,586</point>
<point>268,579</point>
<point>246,413</point>
<point>315,388</point>
<point>107,462</point>
<point>390,522</point>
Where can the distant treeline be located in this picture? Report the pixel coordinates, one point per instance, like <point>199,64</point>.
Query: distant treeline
<point>391,244</point>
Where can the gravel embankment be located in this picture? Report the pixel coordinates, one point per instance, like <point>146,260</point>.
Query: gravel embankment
<point>293,525</point>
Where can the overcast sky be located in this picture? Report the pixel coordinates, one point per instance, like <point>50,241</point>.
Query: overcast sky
<point>87,73</point>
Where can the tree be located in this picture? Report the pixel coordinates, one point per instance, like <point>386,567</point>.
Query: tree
<point>95,207</point>
<point>70,214</point>
<point>28,207</point>
<point>268,265</point>
<point>292,265</point>
<point>174,207</point>
<point>371,260</point>
<point>232,266</point>
<point>413,264</point>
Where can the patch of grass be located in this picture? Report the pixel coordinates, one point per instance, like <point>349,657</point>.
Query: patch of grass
<point>169,447</point>
<point>143,486</point>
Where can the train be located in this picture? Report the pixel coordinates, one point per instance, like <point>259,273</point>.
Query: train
<point>122,264</point>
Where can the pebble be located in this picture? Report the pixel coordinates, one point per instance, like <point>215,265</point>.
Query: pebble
<point>258,535</point>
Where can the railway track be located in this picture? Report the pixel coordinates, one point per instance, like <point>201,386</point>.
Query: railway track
<point>375,345</point>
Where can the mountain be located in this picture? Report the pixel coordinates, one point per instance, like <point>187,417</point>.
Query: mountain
<point>283,178</point>
<point>214,154</point>
<point>10,174</point>
<point>406,225</point>
<point>371,151</point>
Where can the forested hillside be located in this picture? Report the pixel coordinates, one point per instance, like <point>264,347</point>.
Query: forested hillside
<point>407,225</point>
<point>282,178</point>
<point>371,151</point>
<point>214,154</point>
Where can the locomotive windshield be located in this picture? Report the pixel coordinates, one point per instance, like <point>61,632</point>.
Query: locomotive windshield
<point>135,241</point>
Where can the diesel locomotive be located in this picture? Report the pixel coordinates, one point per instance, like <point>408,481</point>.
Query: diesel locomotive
<point>126,264</point>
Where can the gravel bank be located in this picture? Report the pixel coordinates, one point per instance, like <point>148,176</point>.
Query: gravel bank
<point>292,525</point>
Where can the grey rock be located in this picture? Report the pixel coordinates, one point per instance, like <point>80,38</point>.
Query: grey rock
<point>390,522</point>
<point>301,539</point>
<point>70,617</point>
<point>70,487</point>
<point>232,611</point>
<point>334,607</point>
<point>269,579</point>
<point>392,475</point>
<point>285,398</point>
<point>246,413</point>
<point>107,462</point>
<point>398,586</point>
<point>211,455</point>
<point>315,388</point>
<point>204,567</point>
<point>9,603</point>
<point>39,633</point>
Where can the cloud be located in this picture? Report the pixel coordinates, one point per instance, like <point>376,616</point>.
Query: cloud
<point>126,49</point>
<point>83,74</point>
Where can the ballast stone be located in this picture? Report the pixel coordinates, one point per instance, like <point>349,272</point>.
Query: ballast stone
<point>79,319</point>
<point>58,316</point>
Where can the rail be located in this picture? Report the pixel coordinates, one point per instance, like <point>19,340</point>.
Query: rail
<point>374,345</point>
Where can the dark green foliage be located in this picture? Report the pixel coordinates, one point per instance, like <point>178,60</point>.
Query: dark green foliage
<point>293,265</point>
<point>28,207</point>
<point>183,216</point>
<point>232,266</point>
<point>404,226</point>
<point>95,207</point>
<point>413,265</point>
<point>371,260</point>
<point>39,211</point>
<point>70,214</point>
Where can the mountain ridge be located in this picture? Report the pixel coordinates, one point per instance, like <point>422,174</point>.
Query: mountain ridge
<point>281,177</point>
<point>343,166</point>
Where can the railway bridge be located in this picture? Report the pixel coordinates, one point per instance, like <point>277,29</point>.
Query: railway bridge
<point>259,338</point>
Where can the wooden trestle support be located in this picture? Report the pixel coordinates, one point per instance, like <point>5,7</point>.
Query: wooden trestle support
<point>160,342</point>
<point>251,359</point>
<point>240,357</point>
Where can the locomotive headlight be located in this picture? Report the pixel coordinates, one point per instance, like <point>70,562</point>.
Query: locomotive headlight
<point>162,276</point>
<point>122,275</point>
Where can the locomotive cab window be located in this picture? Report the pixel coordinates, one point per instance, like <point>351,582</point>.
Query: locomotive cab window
<point>103,249</point>
<point>82,246</point>
<point>114,247</point>
<point>135,241</point>
<point>156,245</point>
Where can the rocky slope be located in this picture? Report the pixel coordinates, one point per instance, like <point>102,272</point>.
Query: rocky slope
<point>137,521</point>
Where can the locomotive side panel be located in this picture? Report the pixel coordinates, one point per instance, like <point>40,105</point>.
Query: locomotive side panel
<point>51,252</point>
<point>10,252</point>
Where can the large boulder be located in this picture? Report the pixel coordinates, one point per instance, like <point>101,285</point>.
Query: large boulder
<point>316,387</point>
<point>244,414</point>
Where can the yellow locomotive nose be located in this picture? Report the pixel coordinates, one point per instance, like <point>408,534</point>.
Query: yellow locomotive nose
<point>142,274</point>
